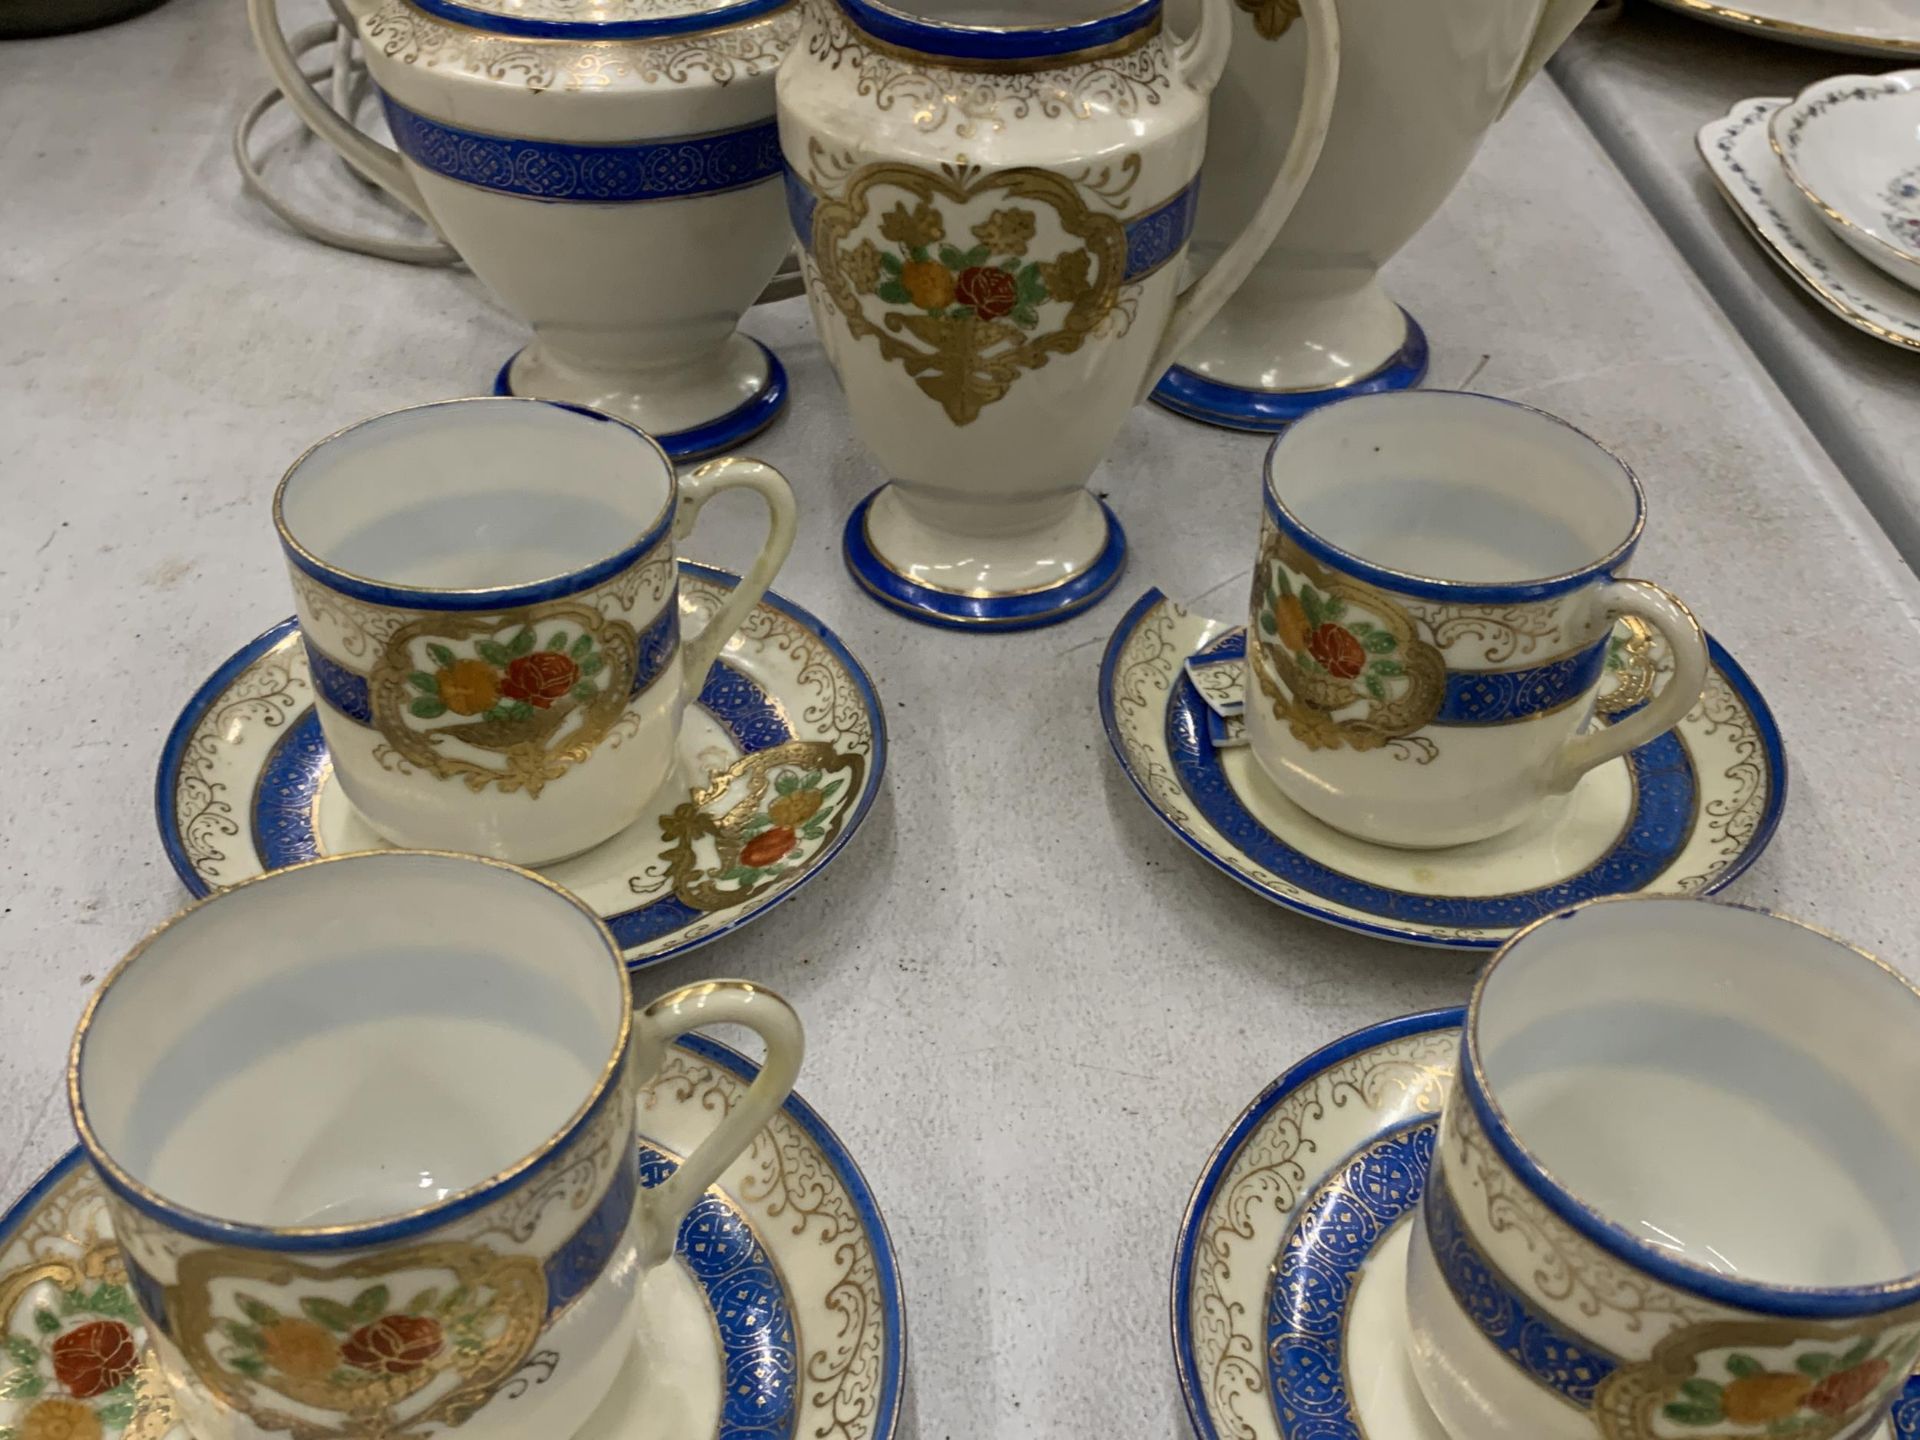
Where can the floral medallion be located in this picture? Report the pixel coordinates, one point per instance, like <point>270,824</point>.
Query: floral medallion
<point>1902,199</point>
<point>512,701</point>
<point>1340,662</point>
<point>967,281</point>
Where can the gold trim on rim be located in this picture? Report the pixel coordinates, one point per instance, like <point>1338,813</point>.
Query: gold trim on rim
<point>1034,65</point>
<point>1908,262</point>
<point>119,1178</point>
<point>1791,29</point>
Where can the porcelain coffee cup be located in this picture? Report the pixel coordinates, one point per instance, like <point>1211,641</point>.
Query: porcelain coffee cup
<point>490,604</point>
<point>1673,1189</point>
<point>1433,600</point>
<point>366,1127</point>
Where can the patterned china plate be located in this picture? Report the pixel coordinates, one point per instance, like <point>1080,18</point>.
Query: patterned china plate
<point>1684,814</point>
<point>1740,157</point>
<point>1289,1273</point>
<point>782,1318</point>
<point>246,783</point>
<point>1853,27</point>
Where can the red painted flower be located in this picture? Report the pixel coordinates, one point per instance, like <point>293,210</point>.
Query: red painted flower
<point>991,292</point>
<point>768,847</point>
<point>1335,647</point>
<point>540,678</point>
<point>1842,1391</point>
<point>393,1344</point>
<point>93,1359</point>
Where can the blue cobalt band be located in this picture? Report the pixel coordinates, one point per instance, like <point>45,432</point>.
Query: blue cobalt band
<point>666,27</point>
<point>583,1257</point>
<point>1235,407</point>
<point>987,44</point>
<point>1500,697</point>
<point>670,169</point>
<point>728,432</point>
<point>956,610</point>
<point>1549,1355</point>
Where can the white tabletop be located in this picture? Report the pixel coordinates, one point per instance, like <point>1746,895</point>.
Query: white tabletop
<point>1646,84</point>
<point>1032,1010</point>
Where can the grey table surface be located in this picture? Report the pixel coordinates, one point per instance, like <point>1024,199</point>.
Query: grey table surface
<point>1646,84</point>
<point>1032,1011</point>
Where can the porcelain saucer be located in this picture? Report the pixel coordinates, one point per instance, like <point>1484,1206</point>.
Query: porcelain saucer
<point>1863,27</point>
<point>1289,1273</point>
<point>1847,145</point>
<point>246,784</point>
<point>781,1315</point>
<point>1739,155</point>
<point>1684,814</point>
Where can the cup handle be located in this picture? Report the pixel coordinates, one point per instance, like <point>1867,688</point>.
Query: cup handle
<point>735,472</point>
<point>715,1002</point>
<point>1672,619</point>
<point>378,163</point>
<point>1201,58</point>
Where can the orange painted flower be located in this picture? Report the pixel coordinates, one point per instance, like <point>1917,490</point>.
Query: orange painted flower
<point>394,1344</point>
<point>540,678</point>
<point>1336,647</point>
<point>57,1419</point>
<point>768,847</point>
<point>468,687</point>
<point>1290,619</point>
<point>929,283</point>
<point>1840,1392</point>
<point>93,1359</point>
<point>1763,1396</point>
<point>796,808</point>
<point>300,1349</point>
<point>990,291</point>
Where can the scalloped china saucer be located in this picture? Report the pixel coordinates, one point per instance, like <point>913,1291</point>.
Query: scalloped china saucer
<point>1684,814</point>
<point>1739,156</point>
<point>782,1316</point>
<point>1289,1272</point>
<point>1848,144</point>
<point>246,784</point>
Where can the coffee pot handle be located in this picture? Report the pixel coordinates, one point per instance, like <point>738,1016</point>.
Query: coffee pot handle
<point>378,163</point>
<point>714,1002</point>
<point>735,472</point>
<point>1202,57</point>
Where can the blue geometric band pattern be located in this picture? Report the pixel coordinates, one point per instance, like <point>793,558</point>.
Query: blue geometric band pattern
<point>584,1255</point>
<point>1532,1341</point>
<point>1153,239</point>
<point>657,644</point>
<point>671,169</point>
<point>1500,697</point>
<point>1319,1269</point>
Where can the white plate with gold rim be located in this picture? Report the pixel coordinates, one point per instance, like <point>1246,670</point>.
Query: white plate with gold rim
<point>781,1316</point>
<point>1684,814</point>
<point>1852,27</point>
<point>788,720</point>
<point>1739,155</point>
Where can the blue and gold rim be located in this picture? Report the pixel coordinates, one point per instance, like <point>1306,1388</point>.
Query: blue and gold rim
<point>1186,1243</point>
<point>1797,1302</point>
<point>995,47</point>
<point>666,27</point>
<point>607,1089</point>
<point>715,437</point>
<point>961,610</point>
<point>1266,412</point>
<point>1461,592</point>
<point>498,597</point>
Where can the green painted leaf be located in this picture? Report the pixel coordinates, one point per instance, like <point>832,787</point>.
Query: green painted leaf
<point>827,793</point>
<point>756,824</point>
<point>1307,662</point>
<point>920,254</point>
<point>115,1413</point>
<point>558,641</point>
<point>1378,642</point>
<point>1267,627</point>
<point>23,1350</point>
<point>1815,1364</point>
<point>22,1384</point>
<point>1738,1364</point>
<point>1280,580</point>
<point>423,681</point>
<point>427,708</point>
<point>951,257</point>
<point>1029,273</point>
<point>811,780</point>
<point>113,1300</point>
<point>523,642</point>
<point>1856,1353</point>
<point>459,1296</point>
<point>1386,667</point>
<point>787,783</point>
<point>1704,1392</point>
<point>424,1301</point>
<point>1361,627</point>
<point>816,830</point>
<point>245,1335</point>
<point>740,872</point>
<point>585,690</point>
<point>493,652</point>
<point>1684,1414</point>
<point>330,1313</point>
<point>894,293</point>
<point>979,255</point>
<point>371,1303</point>
<point>1311,603</point>
<point>248,1365</point>
<point>890,263</point>
<point>1375,687</point>
<point>45,1321</point>
<point>440,653</point>
<point>521,709</point>
<point>583,647</point>
<point>257,1311</point>
<point>960,312</point>
<point>1336,607</point>
<point>1012,267</point>
<point>1025,316</point>
<point>592,665</point>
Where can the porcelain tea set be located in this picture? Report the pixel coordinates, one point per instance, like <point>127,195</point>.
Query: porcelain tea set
<point>374,1142</point>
